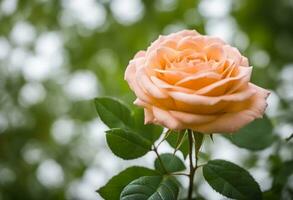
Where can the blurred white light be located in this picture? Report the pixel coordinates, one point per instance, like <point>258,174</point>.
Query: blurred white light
<point>260,58</point>
<point>171,28</point>
<point>166,5</point>
<point>224,28</point>
<point>8,6</point>
<point>94,177</point>
<point>273,104</point>
<point>31,153</point>
<point>48,58</point>
<point>82,85</point>
<point>127,11</point>
<point>109,164</point>
<point>284,130</point>
<point>286,91</point>
<point>215,8</point>
<point>286,87</point>
<point>206,191</point>
<point>23,33</point>
<point>17,57</point>
<point>287,73</point>
<point>16,117</point>
<point>4,48</point>
<point>7,175</point>
<point>32,93</point>
<point>50,174</point>
<point>227,151</point>
<point>36,68</point>
<point>49,44</point>
<point>241,40</point>
<point>263,177</point>
<point>63,130</point>
<point>81,190</point>
<point>95,130</point>
<point>90,13</point>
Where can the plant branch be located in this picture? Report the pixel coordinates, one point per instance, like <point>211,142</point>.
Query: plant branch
<point>192,168</point>
<point>167,133</point>
<point>159,158</point>
<point>180,174</point>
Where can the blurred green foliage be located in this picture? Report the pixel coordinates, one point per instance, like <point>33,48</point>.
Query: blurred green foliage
<point>27,125</point>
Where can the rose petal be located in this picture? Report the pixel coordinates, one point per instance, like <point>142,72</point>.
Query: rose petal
<point>194,99</point>
<point>164,85</point>
<point>140,54</point>
<point>215,52</point>
<point>231,122</point>
<point>148,116</point>
<point>188,43</point>
<point>228,85</point>
<point>167,53</point>
<point>164,118</point>
<point>244,62</point>
<point>130,77</point>
<point>192,119</point>
<point>199,80</point>
<point>171,76</point>
<point>233,54</point>
<point>144,81</point>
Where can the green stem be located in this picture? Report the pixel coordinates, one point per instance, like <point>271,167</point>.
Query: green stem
<point>180,174</point>
<point>159,158</point>
<point>191,167</point>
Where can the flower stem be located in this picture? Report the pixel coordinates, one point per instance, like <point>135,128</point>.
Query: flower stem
<point>159,158</point>
<point>192,168</point>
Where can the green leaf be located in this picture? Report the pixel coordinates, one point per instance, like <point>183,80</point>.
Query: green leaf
<point>151,188</point>
<point>126,144</point>
<point>212,137</point>
<point>198,139</point>
<point>113,113</point>
<point>270,195</point>
<point>231,180</point>
<point>171,162</point>
<point>173,139</point>
<point>180,139</point>
<point>112,190</point>
<point>203,156</point>
<point>282,176</point>
<point>257,135</point>
<point>148,131</point>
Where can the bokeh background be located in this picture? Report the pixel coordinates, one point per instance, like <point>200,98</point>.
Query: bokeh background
<point>56,56</point>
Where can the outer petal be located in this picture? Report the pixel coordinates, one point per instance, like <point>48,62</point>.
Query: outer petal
<point>193,99</point>
<point>130,77</point>
<point>165,118</point>
<point>233,54</point>
<point>231,122</point>
<point>148,116</point>
<point>144,82</point>
<point>192,119</point>
<point>163,39</point>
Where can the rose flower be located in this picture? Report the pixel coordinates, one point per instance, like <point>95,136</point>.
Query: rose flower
<point>190,81</point>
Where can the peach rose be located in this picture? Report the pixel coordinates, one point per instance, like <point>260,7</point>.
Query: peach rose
<point>190,81</point>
